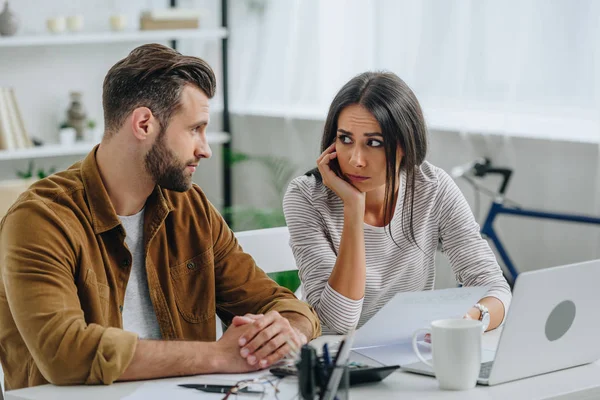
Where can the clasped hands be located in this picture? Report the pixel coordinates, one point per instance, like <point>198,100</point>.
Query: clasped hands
<point>267,338</point>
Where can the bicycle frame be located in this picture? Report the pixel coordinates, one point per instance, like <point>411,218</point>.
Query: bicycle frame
<point>498,208</point>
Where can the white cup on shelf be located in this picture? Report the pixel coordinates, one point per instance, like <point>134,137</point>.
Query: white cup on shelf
<point>75,23</point>
<point>118,22</point>
<point>67,136</point>
<point>56,24</point>
<point>456,352</point>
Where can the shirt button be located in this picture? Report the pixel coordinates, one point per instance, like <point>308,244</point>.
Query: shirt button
<point>191,265</point>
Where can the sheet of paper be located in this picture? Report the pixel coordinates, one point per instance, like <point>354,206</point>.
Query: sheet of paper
<point>407,312</point>
<point>403,354</point>
<point>396,354</point>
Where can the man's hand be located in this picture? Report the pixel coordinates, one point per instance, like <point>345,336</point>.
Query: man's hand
<point>228,351</point>
<point>267,338</point>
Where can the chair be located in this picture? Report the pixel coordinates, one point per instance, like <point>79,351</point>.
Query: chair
<point>271,250</point>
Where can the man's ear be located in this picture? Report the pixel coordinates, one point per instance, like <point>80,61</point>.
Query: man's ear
<point>142,123</point>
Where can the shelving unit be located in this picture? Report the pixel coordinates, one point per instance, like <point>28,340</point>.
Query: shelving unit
<point>111,37</point>
<point>172,36</point>
<point>81,148</point>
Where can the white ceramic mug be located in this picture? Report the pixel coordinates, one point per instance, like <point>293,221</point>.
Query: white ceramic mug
<point>456,352</point>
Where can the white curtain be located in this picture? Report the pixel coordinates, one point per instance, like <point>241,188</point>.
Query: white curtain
<point>516,67</point>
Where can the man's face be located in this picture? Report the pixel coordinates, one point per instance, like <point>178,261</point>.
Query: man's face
<point>176,152</point>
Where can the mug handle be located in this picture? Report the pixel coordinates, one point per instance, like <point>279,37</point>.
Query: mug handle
<point>416,348</point>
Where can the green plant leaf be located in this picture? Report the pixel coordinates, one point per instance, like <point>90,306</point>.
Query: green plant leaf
<point>288,279</point>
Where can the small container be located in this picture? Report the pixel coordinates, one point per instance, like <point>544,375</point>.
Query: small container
<point>67,136</point>
<point>75,23</point>
<point>341,388</point>
<point>118,22</point>
<point>56,24</point>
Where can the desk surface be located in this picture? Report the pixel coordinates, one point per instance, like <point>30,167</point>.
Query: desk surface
<point>575,383</point>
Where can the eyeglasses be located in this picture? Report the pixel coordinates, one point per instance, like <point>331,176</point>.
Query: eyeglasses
<point>260,385</point>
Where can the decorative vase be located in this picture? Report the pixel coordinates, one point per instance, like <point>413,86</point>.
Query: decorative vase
<point>9,22</point>
<point>76,115</point>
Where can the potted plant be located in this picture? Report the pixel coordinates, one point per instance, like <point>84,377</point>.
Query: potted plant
<point>280,171</point>
<point>66,134</point>
<point>94,134</point>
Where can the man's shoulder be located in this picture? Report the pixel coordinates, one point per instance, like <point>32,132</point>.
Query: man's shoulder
<point>192,200</point>
<point>53,192</point>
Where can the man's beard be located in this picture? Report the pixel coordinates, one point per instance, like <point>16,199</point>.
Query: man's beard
<point>165,168</point>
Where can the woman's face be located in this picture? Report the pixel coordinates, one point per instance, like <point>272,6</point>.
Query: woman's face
<point>360,150</point>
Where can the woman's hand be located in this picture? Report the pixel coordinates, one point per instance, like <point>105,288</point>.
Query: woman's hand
<point>349,194</point>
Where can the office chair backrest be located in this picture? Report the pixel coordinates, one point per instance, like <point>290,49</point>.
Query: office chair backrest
<point>271,250</point>
<point>269,247</point>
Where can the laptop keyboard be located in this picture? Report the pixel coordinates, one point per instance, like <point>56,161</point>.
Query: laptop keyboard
<point>486,367</point>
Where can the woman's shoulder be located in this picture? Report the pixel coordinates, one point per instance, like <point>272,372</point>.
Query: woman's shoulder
<point>308,186</point>
<point>308,189</point>
<point>430,174</point>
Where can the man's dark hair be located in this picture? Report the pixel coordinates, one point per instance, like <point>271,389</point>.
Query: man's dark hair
<point>152,76</point>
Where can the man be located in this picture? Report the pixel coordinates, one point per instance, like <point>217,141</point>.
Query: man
<point>114,269</point>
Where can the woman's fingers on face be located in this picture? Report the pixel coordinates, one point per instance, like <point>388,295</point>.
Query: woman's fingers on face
<point>327,151</point>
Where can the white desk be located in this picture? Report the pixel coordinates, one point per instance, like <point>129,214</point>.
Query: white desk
<point>575,383</point>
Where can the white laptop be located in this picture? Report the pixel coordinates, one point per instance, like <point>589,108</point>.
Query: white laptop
<point>552,324</point>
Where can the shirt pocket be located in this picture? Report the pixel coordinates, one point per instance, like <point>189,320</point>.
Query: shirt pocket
<point>103,291</point>
<point>194,287</point>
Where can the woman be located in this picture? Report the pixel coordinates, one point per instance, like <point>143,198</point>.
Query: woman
<point>366,224</point>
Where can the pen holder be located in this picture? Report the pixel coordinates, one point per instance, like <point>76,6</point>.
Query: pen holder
<point>318,379</point>
<point>339,390</point>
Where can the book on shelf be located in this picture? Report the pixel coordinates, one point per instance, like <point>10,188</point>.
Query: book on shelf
<point>13,134</point>
<point>173,14</point>
<point>169,19</point>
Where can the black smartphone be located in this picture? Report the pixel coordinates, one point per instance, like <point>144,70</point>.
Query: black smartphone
<point>335,167</point>
<point>359,373</point>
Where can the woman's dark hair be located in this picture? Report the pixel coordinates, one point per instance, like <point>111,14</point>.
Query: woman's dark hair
<point>396,108</point>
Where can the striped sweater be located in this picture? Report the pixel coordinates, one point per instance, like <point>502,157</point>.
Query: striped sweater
<point>315,218</point>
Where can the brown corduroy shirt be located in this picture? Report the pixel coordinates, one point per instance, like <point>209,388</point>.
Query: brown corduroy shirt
<point>64,268</point>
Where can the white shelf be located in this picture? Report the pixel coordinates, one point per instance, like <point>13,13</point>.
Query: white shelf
<point>110,37</point>
<point>57,150</point>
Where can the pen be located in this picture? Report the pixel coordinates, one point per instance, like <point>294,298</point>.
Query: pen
<point>338,352</point>
<point>208,388</point>
<point>214,388</point>
<point>326,357</point>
